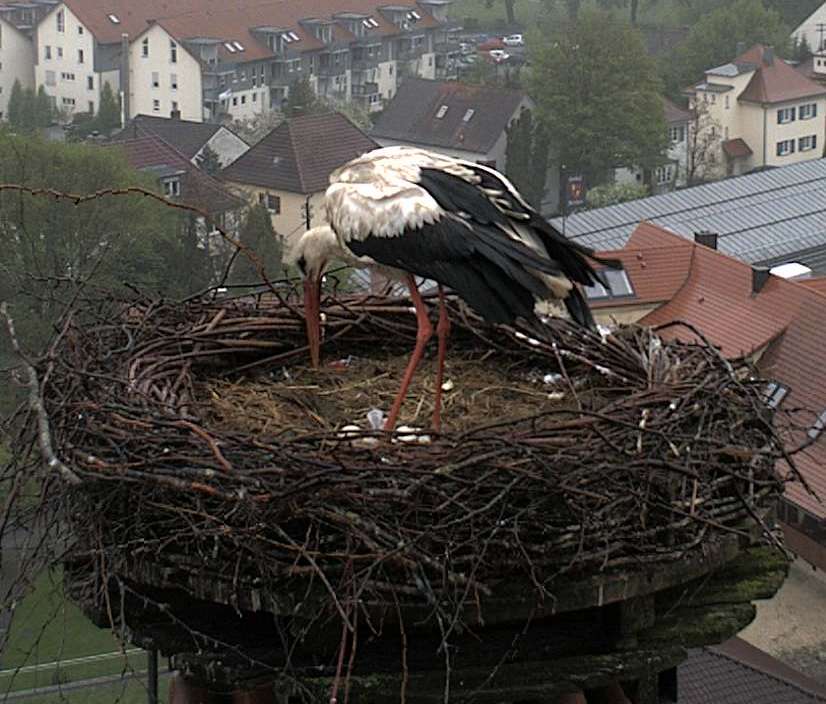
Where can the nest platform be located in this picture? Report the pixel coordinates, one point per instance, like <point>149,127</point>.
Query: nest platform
<point>223,515</point>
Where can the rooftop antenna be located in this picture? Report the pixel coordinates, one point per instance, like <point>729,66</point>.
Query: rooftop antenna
<point>821,28</point>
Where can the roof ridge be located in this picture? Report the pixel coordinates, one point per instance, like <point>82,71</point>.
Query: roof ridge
<point>789,683</point>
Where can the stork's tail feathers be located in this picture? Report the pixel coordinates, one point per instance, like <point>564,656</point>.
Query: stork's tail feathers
<point>578,309</point>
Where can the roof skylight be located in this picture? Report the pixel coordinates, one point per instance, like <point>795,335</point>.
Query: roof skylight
<point>228,46</point>
<point>294,36</point>
<point>617,280</point>
<point>238,45</point>
<point>372,22</point>
<point>775,393</point>
<point>114,19</point>
<point>468,115</point>
<point>818,426</point>
<point>442,110</point>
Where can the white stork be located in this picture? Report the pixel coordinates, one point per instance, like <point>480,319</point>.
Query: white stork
<point>413,213</point>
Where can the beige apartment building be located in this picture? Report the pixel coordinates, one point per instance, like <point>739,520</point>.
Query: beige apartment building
<point>206,60</point>
<point>753,112</point>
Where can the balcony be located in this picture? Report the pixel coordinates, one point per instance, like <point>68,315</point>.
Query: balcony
<point>365,89</point>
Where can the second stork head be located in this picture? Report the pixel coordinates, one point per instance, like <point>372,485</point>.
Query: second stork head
<point>310,252</point>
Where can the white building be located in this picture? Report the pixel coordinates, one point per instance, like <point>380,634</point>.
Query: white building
<point>16,61</point>
<point>206,61</point>
<point>71,63</point>
<point>813,29</point>
<point>753,112</point>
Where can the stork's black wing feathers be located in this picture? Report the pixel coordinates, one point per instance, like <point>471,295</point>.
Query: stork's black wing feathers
<point>484,268</point>
<point>457,195</point>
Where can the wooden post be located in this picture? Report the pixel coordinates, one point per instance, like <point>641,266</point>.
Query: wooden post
<point>152,676</point>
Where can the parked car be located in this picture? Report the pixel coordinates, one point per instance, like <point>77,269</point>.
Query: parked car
<point>466,48</point>
<point>499,55</point>
<point>513,40</point>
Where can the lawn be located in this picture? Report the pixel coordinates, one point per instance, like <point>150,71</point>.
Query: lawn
<point>132,691</point>
<point>47,628</point>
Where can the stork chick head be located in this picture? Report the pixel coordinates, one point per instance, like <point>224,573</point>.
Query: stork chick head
<point>310,251</point>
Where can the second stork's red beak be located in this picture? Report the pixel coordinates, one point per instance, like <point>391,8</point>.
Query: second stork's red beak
<point>312,317</point>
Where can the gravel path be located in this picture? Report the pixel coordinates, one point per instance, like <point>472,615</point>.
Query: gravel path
<point>792,625</point>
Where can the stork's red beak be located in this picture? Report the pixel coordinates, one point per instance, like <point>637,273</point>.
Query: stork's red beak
<point>312,317</point>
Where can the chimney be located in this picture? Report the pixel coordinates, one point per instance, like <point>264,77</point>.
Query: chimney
<point>741,48</point>
<point>768,55</point>
<point>124,77</point>
<point>706,238</point>
<point>759,277</point>
<point>175,114</point>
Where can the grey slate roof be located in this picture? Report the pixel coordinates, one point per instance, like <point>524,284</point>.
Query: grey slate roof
<point>433,113</point>
<point>188,137</point>
<point>767,217</point>
<point>300,154</point>
<point>738,673</point>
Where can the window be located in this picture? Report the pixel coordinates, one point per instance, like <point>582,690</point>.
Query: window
<point>145,47</point>
<point>175,106</point>
<point>785,147</point>
<point>712,98</point>
<point>441,113</point>
<point>80,56</point>
<point>785,115</point>
<point>676,133</point>
<point>272,202</point>
<point>173,52</point>
<point>618,282</point>
<point>664,174</point>
<point>67,76</point>
<point>726,102</point>
<point>173,81</point>
<point>156,105</point>
<point>156,79</point>
<point>235,101</point>
<point>806,144</point>
<point>68,101</point>
<point>90,82</point>
<point>808,111</point>
<point>60,52</point>
<point>243,100</point>
<point>61,21</point>
<point>80,29</point>
<point>172,187</point>
<point>47,52</point>
<point>255,97</point>
<point>818,426</point>
<point>91,107</point>
<point>775,393</point>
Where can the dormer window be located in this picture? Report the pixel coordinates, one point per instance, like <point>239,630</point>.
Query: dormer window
<point>442,111</point>
<point>172,187</point>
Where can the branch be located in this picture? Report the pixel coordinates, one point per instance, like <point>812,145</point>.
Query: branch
<point>44,436</point>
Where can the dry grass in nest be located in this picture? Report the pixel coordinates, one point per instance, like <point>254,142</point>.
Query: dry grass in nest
<point>343,391</point>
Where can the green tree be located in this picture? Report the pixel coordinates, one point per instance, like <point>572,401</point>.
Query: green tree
<point>14,112</point>
<point>258,235</point>
<point>713,40</point>
<point>44,111</point>
<point>209,161</point>
<point>108,117</point>
<point>527,153</point>
<point>51,248</point>
<point>510,11</point>
<point>800,50</point>
<point>301,99</point>
<point>28,111</point>
<point>598,124</point>
<point>613,193</point>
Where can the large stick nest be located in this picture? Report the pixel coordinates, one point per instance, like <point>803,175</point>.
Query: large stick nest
<point>207,450</point>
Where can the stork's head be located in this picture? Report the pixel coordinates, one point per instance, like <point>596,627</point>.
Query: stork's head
<point>310,251</point>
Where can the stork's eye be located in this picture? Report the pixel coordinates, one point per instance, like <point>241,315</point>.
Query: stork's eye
<point>302,265</point>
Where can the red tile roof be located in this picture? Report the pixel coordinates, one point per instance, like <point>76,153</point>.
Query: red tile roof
<point>818,284</point>
<point>736,148</point>
<point>151,154</point>
<point>785,321</point>
<point>216,19</point>
<point>775,81</point>
<point>300,154</point>
<point>656,272</point>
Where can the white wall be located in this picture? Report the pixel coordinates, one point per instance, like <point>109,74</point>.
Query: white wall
<point>246,104</point>
<point>16,62</point>
<point>793,131</point>
<point>808,27</point>
<point>144,97</point>
<point>64,76</point>
<point>227,145</point>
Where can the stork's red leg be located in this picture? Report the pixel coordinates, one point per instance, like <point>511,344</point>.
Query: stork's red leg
<point>424,333</point>
<point>442,331</point>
